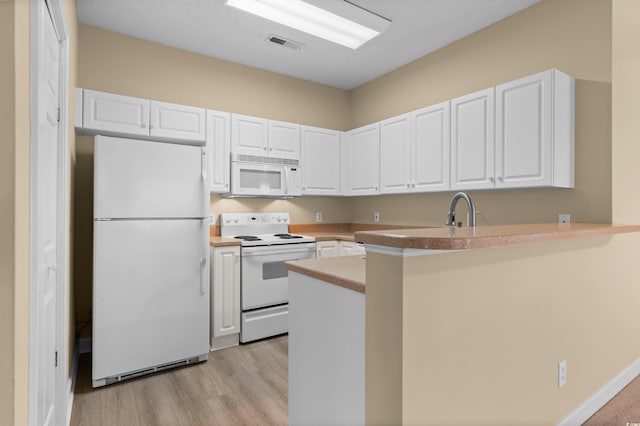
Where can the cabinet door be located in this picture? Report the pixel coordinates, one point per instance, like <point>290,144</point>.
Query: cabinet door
<point>363,160</point>
<point>327,249</point>
<point>395,154</point>
<point>524,132</point>
<point>248,135</point>
<point>347,248</point>
<point>472,141</point>
<point>115,114</point>
<point>219,147</point>
<point>225,295</point>
<point>177,122</point>
<point>432,146</point>
<point>320,161</point>
<point>284,140</point>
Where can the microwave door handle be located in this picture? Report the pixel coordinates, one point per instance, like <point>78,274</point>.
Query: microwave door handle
<point>204,257</point>
<point>286,181</point>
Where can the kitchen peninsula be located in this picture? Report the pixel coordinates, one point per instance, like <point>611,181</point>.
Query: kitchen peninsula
<point>474,334</point>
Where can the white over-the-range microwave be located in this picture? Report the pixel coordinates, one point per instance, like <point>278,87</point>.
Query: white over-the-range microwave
<point>255,176</point>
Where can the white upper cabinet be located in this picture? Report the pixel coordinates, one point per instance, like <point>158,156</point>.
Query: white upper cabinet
<point>362,160</point>
<point>249,135</point>
<point>265,138</point>
<point>178,122</point>
<point>218,125</point>
<point>414,151</point>
<point>534,131</point>
<point>472,141</point>
<point>284,140</point>
<point>431,148</point>
<point>118,115</point>
<point>320,161</point>
<point>115,114</point>
<point>395,154</point>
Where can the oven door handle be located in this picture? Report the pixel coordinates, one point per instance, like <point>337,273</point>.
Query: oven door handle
<point>267,250</point>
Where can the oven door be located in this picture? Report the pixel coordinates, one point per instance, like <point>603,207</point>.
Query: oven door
<point>258,179</point>
<point>265,279</point>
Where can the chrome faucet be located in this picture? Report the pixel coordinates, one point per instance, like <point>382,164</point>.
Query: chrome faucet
<point>451,219</point>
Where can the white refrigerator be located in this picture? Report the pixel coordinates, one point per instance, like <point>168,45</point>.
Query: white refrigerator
<point>150,258</point>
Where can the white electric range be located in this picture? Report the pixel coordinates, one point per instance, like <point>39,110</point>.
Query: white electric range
<point>264,280</point>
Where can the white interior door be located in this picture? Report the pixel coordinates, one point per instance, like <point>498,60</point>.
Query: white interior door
<point>44,354</point>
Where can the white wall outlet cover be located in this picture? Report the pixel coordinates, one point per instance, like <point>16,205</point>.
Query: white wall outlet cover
<point>318,216</point>
<point>376,217</point>
<point>564,218</point>
<point>562,373</point>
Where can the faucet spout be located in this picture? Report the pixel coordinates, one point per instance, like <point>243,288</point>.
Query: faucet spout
<point>451,218</point>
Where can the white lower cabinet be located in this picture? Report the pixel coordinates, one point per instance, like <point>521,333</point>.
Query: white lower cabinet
<point>335,248</point>
<point>348,248</point>
<point>327,249</point>
<point>225,296</point>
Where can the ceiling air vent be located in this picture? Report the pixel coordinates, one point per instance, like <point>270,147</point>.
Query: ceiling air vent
<point>285,42</point>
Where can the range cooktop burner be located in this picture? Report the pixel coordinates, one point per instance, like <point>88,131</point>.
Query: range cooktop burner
<point>287,236</point>
<point>248,238</point>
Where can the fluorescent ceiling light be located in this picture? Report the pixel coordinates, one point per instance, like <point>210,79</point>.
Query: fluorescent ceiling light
<point>313,20</point>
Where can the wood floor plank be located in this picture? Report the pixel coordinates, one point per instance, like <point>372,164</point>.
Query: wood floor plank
<point>241,385</point>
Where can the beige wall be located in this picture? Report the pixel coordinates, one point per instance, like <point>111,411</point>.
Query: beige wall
<point>571,35</point>
<point>625,111</point>
<point>483,330</point>
<point>7,206</point>
<point>22,209</point>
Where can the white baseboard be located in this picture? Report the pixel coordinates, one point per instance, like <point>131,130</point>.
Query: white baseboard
<point>71,384</point>
<point>596,401</point>
<point>84,345</point>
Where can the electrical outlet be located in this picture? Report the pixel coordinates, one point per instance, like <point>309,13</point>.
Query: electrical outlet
<point>562,373</point>
<point>318,217</point>
<point>564,218</point>
<point>376,217</point>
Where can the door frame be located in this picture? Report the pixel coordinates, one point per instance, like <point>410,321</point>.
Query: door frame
<point>62,381</point>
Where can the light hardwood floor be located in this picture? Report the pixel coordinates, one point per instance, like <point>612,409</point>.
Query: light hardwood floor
<point>241,385</point>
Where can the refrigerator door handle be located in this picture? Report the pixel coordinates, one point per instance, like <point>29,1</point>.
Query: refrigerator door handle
<point>204,270</point>
<point>206,201</point>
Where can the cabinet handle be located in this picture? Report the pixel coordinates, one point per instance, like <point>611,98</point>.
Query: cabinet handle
<point>408,185</point>
<point>500,179</point>
<point>491,179</point>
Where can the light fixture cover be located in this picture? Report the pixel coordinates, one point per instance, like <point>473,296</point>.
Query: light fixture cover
<point>314,20</point>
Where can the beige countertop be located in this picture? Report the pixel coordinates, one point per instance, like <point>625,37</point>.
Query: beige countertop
<point>453,238</point>
<point>218,241</point>
<point>343,271</point>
